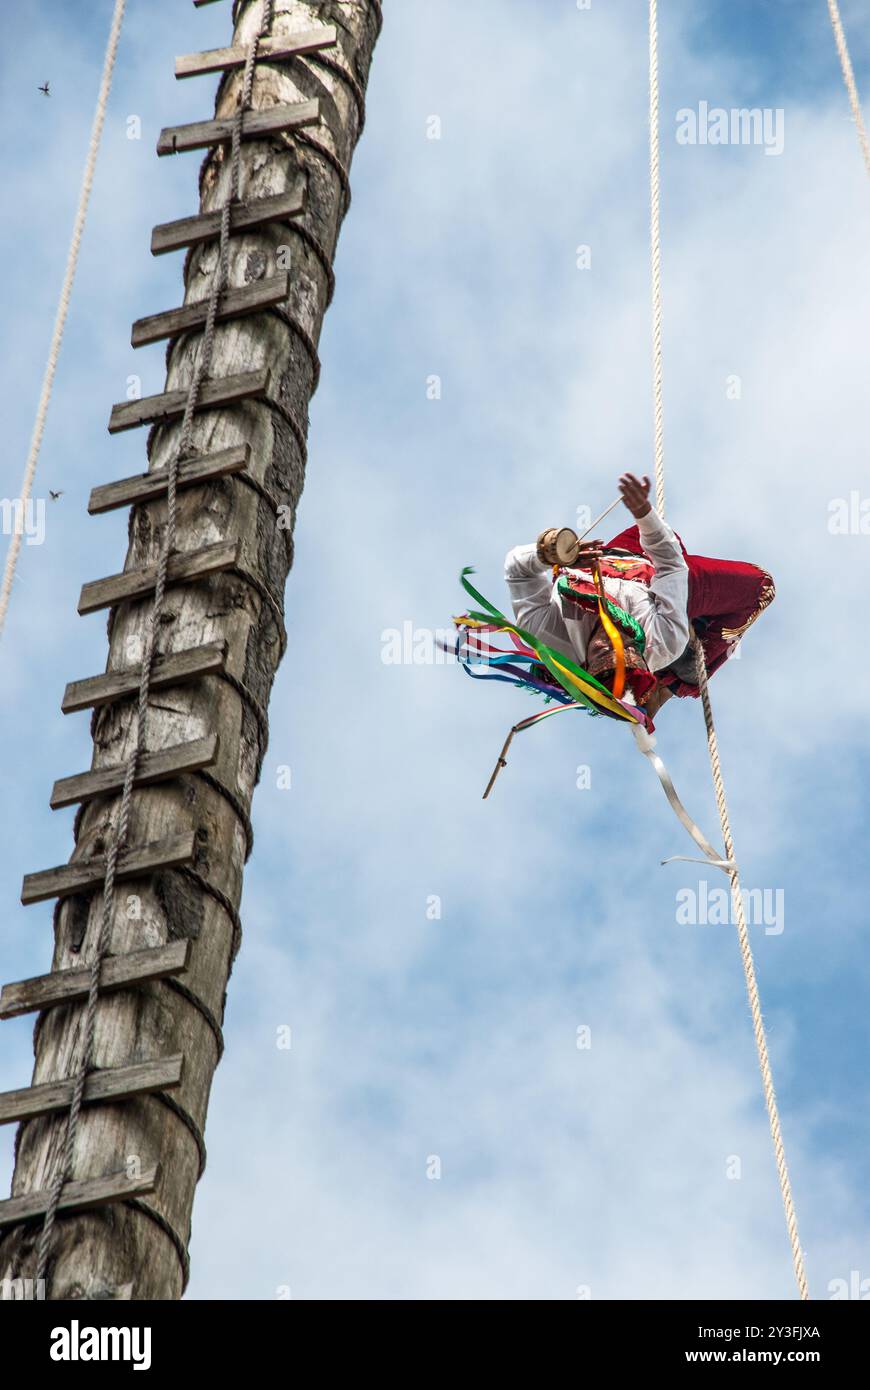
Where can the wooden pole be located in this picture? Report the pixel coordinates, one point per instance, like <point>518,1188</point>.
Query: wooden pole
<point>140,1241</point>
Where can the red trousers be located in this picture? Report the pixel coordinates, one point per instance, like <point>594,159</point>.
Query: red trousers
<point>725,597</point>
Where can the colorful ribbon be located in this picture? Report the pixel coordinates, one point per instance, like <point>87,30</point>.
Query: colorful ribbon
<point>579,684</point>
<point>614,634</point>
<point>578,690</point>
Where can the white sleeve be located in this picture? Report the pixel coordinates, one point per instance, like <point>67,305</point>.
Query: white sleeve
<point>667,629</point>
<point>530,581</point>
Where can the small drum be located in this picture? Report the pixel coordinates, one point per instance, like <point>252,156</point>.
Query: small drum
<point>558,546</point>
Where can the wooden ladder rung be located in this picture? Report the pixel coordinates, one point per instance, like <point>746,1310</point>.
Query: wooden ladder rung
<point>232,304</point>
<point>144,487</point>
<point>198,135</point>
<point>206,226</point>
<point>109,1083</point>
<point>269,50</point>
<point>72,986</point>
<point>184,566</point>
<point>80,1195</point>
<point>152,767</point>
<point>175,669</point>
<point>169,405</point>
<point>82,875</point>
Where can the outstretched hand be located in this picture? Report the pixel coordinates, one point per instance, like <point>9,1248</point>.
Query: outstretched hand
<point>635,494</point>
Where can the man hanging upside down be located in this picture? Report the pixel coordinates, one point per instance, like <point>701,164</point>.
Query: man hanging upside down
<point>657,594</point>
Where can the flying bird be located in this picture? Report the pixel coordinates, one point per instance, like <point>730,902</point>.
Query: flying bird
<point>44,90</point>
<point>54,495</point>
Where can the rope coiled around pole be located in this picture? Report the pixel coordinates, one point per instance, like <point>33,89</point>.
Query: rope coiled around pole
<point>119,838</point>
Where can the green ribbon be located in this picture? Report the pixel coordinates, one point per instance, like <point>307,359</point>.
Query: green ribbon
<point>619,615</point>
<point>548,656</point>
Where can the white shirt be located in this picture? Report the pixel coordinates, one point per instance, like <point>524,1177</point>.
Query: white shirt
<point>660,608</point>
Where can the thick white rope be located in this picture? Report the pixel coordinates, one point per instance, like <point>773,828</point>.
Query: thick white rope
<point>849,79</point>
<point>750,977</point>
<point>656,258</point>
<point>219,282</point>
<point>62,308</point>
<point>712,742</point>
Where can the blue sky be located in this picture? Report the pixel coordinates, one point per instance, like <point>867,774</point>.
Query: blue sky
<point>602,1168</point>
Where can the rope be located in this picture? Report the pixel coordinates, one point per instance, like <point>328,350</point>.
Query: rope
<point>323,60</point>
<point>63,304</point>
<point>374,5</point>
<point>712,741</point>
<point>305,339</point>
<point>261,490</point>
<point>302,137</point>
<point>656,256</point>
<point>258,710</point>
<point>140,1205</point>
<point>202,1007</point>
<point>254,485</point>
<point>310,240</point>
<point>234,804</point>
<point>269,599</point>
<point>190,1125</point>
<point>292,423</point>
<point>119,838</point>
<point>749,974</point>
<point>222,900</point>
<point>849,79</point>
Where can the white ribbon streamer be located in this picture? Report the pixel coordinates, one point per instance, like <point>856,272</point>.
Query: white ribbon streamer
<point>646,743</point>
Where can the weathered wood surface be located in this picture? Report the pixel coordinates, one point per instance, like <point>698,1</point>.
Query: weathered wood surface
<point>247,299</point>
<point>169,405</point>
<point>80,1195</point>
<point>71,986</point>
<point>81,875</point>
<point>198,135</point>
<point>152,767</point>
<point>205,226</point>
<point>191,665</point>
<point>131,1248</point>
<point>114,1083</point>
<point>143,487</point>
<point>183,568</point>
<point>268,51</point>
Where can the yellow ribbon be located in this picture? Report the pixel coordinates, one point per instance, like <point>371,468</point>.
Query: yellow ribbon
<point>599,697</point>
<point>613,633</point>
